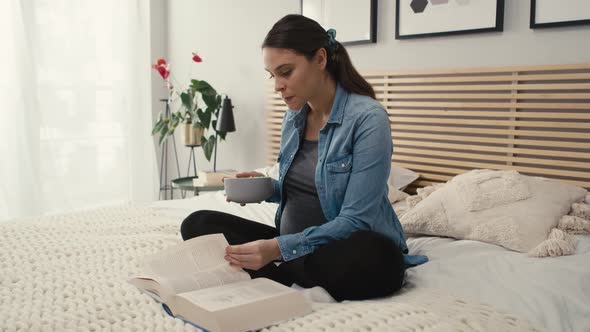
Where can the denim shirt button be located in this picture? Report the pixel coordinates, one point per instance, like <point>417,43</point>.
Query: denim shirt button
<point>294,252</point>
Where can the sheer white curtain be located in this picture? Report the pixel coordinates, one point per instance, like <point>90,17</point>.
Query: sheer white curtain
<point>75,109</point>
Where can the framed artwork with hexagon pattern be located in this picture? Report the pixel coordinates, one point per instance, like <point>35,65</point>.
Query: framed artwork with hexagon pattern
<point>429,18</point>
<point>552,13</point>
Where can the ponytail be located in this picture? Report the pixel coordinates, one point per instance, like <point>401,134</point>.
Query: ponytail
<point>342,70</point>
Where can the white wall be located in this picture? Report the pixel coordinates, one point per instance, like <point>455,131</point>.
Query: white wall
<point>516,45</point>
<point>228,35</point>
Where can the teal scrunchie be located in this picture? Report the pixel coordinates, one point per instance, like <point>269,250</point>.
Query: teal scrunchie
<point>332,39</point>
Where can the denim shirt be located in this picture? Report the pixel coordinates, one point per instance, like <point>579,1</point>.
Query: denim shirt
<point>354,161</point>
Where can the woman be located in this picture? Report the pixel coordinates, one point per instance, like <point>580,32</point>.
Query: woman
<point>335,226</point>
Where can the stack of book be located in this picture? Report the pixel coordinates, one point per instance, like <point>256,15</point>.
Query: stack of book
<point>213,179</point>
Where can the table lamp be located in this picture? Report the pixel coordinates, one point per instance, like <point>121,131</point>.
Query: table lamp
<point>225,124</point>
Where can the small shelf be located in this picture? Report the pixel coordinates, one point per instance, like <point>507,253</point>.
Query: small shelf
<point>186,183</point>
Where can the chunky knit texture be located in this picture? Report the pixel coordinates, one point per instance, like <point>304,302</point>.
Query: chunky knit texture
<point>68,273</point>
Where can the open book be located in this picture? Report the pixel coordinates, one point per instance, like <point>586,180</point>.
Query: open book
<point>196,284</point>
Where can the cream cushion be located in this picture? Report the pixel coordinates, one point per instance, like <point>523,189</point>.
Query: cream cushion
<point>505,208</point>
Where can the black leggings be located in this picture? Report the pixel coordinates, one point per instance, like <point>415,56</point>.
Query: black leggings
<point>365,265</point>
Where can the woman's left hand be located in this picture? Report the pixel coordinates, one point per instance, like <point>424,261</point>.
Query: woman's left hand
<point>253,255</point>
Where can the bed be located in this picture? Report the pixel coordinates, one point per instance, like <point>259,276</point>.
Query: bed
<point>69,271</point>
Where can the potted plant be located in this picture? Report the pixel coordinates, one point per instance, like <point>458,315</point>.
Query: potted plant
<point>197,111</point>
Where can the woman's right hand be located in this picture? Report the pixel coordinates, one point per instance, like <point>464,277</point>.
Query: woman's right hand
<point>250,174</point>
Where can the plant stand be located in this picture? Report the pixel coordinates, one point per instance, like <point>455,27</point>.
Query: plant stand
<point>192,156</point>
<point>188,171</point>
<point>164,185</point>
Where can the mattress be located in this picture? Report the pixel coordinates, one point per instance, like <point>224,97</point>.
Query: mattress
<point>69,272</point>
<point>553,293</point>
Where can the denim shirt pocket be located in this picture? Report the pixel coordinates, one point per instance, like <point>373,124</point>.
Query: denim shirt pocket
<point>341,165</point>
<point>339,174</point>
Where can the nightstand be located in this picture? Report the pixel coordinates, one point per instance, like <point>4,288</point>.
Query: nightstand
<point>186,184</point>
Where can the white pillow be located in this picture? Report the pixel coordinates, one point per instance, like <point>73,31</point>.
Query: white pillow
<point>505,208</point>
<point>400,177</point>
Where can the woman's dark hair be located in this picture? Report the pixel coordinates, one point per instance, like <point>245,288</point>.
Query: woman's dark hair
<point>305,36</point>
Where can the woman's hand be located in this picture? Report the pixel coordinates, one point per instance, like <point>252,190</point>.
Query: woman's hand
<point>250,174</point>
<point>253,255</point>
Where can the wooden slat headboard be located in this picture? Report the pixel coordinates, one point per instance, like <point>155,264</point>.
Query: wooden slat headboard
<point>534,119</point>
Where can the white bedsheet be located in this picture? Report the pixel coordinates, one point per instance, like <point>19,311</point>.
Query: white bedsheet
<point>552,293</point>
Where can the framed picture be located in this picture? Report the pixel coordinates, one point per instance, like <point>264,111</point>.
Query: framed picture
<point>551,13</point>
<point>429,18</point>
<point>355,21</point>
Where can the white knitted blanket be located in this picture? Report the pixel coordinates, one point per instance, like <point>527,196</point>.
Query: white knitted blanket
<point>68,273</point>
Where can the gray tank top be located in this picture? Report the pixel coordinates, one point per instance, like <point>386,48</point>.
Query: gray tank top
<point>302,207</point>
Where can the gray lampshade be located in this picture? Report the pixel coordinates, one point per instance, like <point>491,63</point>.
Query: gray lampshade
<point>225,121</point>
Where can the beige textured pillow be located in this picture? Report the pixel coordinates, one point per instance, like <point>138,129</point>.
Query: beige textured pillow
<point>506,208</point>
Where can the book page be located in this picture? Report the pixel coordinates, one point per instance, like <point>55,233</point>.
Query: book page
<point>220,275</point>
<point>160,291</point>
<point>235,294</point>
<point>194,264</point>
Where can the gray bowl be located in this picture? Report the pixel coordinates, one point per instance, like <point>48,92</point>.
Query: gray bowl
<point>248,190</point>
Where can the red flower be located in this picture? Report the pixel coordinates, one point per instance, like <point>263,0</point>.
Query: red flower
<point>196,58</point>
<point>162,67</point>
